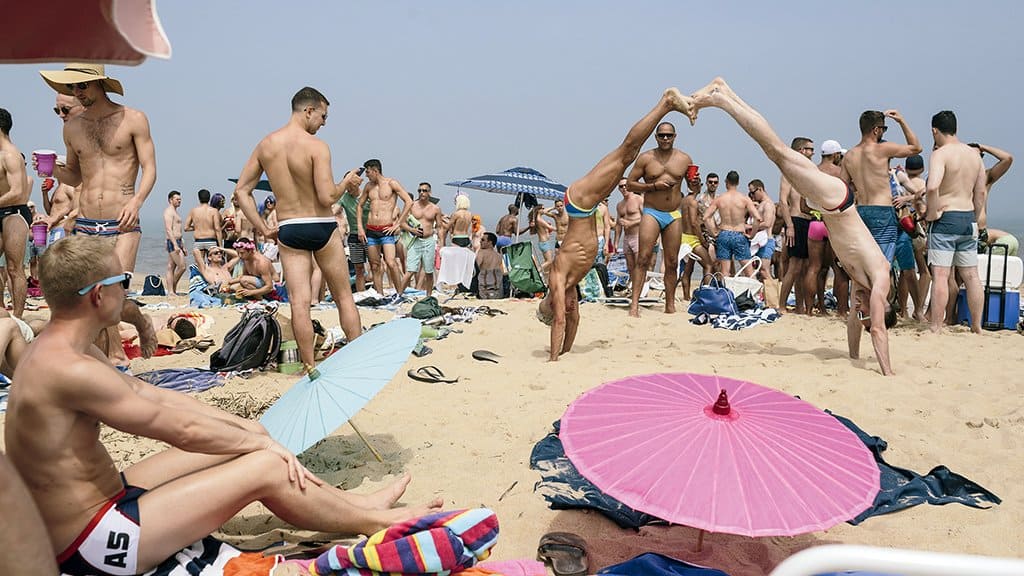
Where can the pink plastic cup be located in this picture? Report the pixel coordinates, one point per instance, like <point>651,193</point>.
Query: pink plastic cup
<point>45,161</point>
<point>39,232</point>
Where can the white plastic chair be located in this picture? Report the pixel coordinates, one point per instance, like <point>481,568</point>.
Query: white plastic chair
<point>836,558</point>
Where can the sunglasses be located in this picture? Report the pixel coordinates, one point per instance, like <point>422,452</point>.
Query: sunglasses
<point>666,136</point>
<point>65,110</point>
<point>124,279</point>
<point>884,128</point>
<point>423,190</point>
<point>79,85</point>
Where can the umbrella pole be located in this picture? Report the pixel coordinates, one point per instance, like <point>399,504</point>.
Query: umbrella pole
<point>700,541</point>
<point>363,438</point>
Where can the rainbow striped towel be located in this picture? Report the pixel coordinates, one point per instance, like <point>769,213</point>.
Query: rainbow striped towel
<point>440,544</point>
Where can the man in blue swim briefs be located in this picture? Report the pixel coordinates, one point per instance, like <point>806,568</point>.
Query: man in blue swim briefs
<point>379,231</point>
<point>865,169</point>
<point>852,241</point>
<point>107,145</point>
<point>662,170</point>
<point>298,165</point>
<point>560,307</point>
<point>957,183</point>
<point>101,520</point>
<point>175,249</point>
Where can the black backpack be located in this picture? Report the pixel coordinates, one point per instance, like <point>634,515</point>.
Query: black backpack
<point>253,343</point>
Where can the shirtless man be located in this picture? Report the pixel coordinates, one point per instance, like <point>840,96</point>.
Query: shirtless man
<point>15,216</point>
<point>215,266</point>
<point>992,175</point>
<point>853,242</point>
<point>662,171</point>
<point>257,278</point>
<point>866,170</point>
<point>175,249</point>
<point>218,462</point>
<point>730,241</point>
<point>379,231</point>
<point>798,221</point>
<point>627,226</point>
<point>459,223</point>
<point>819,255</point>
<point>560,308</point>
<point>506,228</point>
<point>956,193</point>
<point>235,224</point>
<point>298,165</point>
<point>107,145</point>
<point>59,205</point>
<point>693,234</point>
<point>25,548</point>
<point>766,209</point>
<point>347,203</point>
<point>603,225</point>
<point>910,178</point>
<point>561,218</point>
<point>421,252</point>
<point>205,224</point>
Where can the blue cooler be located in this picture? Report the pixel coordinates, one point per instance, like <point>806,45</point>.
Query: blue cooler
<point>1008,301</point>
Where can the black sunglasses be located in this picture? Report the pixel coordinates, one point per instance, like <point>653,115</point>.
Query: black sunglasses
<point>79,85</point>
<point>65,110</point>
<point>883,127</point>
<point>423,190</point>
<point>666,135</point>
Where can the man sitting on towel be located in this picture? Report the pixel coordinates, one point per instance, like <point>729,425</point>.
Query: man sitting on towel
<point>559,309</point>
<point>218,463</point>
<point>852,242</point>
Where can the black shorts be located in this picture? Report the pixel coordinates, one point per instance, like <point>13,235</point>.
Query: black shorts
<point>799,247</point>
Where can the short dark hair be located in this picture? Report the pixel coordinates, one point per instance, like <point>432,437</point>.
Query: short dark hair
<point>712,175</point>
<point>756,183</point>
<point>799,142</point>
<point>869,119</point>
<point>308,97</point>
<point>373,163</point>
<point>491,237</point>
<point>204,196</point>
<point>5,122</point>
<point>890,317</point>
<point>512,208</point>
<point>172,194</point>
<point>666,124</point>
<point>732,178</point>
<point>945,122</point>
<point>427,184</point>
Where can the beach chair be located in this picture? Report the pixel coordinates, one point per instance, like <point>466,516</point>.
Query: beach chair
<point>523,273</point>
<point>892,561</point>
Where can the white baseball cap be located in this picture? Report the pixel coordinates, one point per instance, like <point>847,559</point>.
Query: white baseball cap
<point>829,147</point>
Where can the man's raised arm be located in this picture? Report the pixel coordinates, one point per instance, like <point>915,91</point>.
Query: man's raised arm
<point>1005,159</point>
<point>894,150</point>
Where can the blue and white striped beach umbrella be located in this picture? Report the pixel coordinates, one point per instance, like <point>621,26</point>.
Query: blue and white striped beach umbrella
<point>515,181</point>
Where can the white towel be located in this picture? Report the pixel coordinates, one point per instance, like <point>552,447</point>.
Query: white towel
<point>456,266</point>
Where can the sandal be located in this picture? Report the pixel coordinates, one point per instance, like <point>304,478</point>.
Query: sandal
<point>430,375</point>
<point>485,356</point>
<point>567,553</point>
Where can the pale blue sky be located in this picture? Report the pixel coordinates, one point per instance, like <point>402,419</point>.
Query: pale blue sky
<point>446,90</point>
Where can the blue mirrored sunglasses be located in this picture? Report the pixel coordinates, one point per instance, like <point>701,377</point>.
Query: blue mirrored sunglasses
<point>125,279</point>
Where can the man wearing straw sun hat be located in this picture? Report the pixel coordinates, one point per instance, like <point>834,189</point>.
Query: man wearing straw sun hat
<point>106,146</point>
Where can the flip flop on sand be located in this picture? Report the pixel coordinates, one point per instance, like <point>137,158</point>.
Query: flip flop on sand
<point>567,553</point>
<point>485,356</point>
<point>430,375</point>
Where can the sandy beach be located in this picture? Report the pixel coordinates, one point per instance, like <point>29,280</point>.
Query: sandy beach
<point>955,400</point>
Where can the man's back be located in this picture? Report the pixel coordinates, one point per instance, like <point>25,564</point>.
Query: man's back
<point>733,207</point>
<point>868,168</point>
<point>205,221</point>
<point>289,158</point>
<point>506,226</point>
<point>961,170</point>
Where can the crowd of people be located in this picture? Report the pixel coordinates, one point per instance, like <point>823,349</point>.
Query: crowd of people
<point>91,512</point>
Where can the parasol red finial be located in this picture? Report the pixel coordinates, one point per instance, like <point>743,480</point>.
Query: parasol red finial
<point>721,406</point>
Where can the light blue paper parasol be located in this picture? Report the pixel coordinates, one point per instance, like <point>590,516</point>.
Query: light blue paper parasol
<point>341,385</point>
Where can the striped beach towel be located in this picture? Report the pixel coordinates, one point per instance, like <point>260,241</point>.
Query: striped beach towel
<point>440,544</point>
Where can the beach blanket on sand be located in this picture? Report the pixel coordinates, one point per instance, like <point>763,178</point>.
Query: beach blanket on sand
<point>183,379</point>
<point>565,488</point>
<point>739,321</point>
<point>902,488</point>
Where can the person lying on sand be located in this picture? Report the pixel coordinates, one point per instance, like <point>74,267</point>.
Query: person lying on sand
<point>851,240</point>
<point>560,308</point>
<point>218,463</point>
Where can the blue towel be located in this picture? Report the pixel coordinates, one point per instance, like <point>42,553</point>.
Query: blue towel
<point>652,564</point>
<point>183,379</point>
<point>902,488</point>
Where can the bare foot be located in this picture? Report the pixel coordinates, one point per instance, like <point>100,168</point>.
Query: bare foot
<point>634,312</point>
<point>708,95</point>
<point>387,497</point>
<point>681,103</point>
<point>670,308</point>
<point>396,515</point>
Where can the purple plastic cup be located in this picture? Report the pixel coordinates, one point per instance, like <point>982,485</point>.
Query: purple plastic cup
<point>45,161</point>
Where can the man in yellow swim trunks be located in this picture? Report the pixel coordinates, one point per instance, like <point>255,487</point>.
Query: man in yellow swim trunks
<point>560,309</point>
<point>692,235</point>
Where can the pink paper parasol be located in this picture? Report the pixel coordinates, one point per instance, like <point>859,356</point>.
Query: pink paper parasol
<point>719,454</point>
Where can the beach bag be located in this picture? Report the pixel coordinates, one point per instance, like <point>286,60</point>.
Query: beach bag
<point>713,298</point>
<point>252,344</point>
<point>153,286</point>
<point>522,271</point>
<point>426,309</point>
<point>740,285</point>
